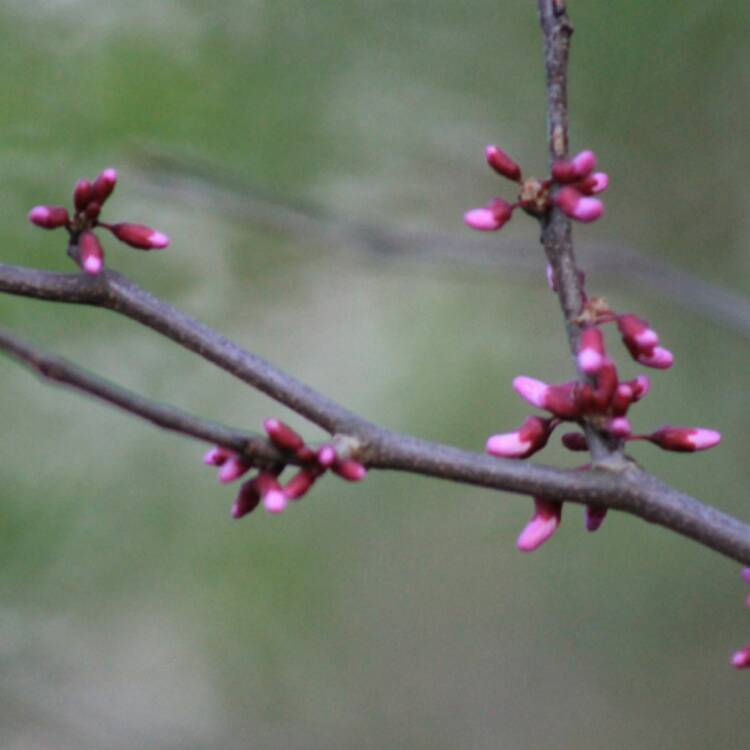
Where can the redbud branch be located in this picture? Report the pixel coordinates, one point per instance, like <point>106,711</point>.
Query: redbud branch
<point>557,237</point>
<point>630,490</point>
<point>59,370</point>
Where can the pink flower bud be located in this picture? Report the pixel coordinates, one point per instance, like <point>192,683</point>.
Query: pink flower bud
<point>659,358</point>
<point>82,194</point>
<point>741,658</point>
<point>104,184</point>
<point>606,386</point>
<point>641,386</point>
<point>139,236</point>
<point>684,439</point>
<point>93,210</point>
<point>542,525</point>
<point>620,427</point>
<point>572,170</point>
<point>217,456</point>
<point>491,218</point>
<point>352,471</point>
<point>579,207</point>
<point>91,253</point>
<point>327,455</point>
<point>637,336</point>
<point>595,515</point>
<point>530,437</point>
<point>233,468</point>
<point>591,350</point>
<point>282,435</point>
<point>575,441</point>
<point>49,217</point>
<point>746,575</point>
<point>300,483</point>
<point>268,487</point>
<point>247,499</point>
<point>502,163</point>
<point>558,399</point>
<point>624,396</point>
<point>593,184</point>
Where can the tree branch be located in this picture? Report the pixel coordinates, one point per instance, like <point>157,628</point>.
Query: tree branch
<point>59,370</point>
<point>630,490</point>
<point>557,236</point>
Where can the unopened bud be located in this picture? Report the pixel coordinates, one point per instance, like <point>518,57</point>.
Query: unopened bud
<point>247,499</point>
<point>542,526</point>
<point>579,207</point>
<point>489,219</point>
<point>139,236</point>
<point>351,470</point>
<point>591,350</point>
<point>104,184</point>
<point>91,253</point>
<point>684,439</point>
<point>49,217</point>
<point>282,435</point>
<point>82,194</point>
<point>530,437</point>
<point>502,163</point>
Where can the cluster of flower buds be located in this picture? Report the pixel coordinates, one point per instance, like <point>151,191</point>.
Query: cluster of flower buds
<point>599,399</point>
<point>577,181</point>
<point>88,199</point>
<point>741,658</point>
<point>265,486</point>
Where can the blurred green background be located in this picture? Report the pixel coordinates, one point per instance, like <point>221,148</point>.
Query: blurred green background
<point>395,614</point>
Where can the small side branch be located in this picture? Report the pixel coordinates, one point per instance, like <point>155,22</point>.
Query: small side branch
<point>59,370</point>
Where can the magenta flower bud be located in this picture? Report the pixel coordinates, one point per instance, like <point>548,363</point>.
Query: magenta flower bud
<point>489,219</point>
<point>82,194</point>
<point>591,350</point>
<point>529,438</point>
<point>104,184</point>
<point>282,435</point>
<point>502,163</point>
<point>641,386</point>
<point>275,501</point>
<point>542,526</point>
<point>637,336</point>
<point>327,456</point>
<point>217,456</point>
<point>579,207</point>
<point>684,439</point>
<point>623,397</point>
<point>139,236</point>
<point>746,575</point>
<point>558,399</point>
<point>49,217</point>
<point>620,427</point>
<point>575,441</point>
<point>584,163</point>
<point>593,184</point>
<point>659,358</point>
<point>232,469</point>
<point>578,168</point>
<point>300,484</point>
<point>595,515</point>
<point>741,658</point>
<point>91,253</point>
<point>352,471</point>
<point>247,500</point>
<point>93,210</point>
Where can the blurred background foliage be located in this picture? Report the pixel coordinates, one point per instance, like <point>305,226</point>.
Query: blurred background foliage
<point>396,614</point>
